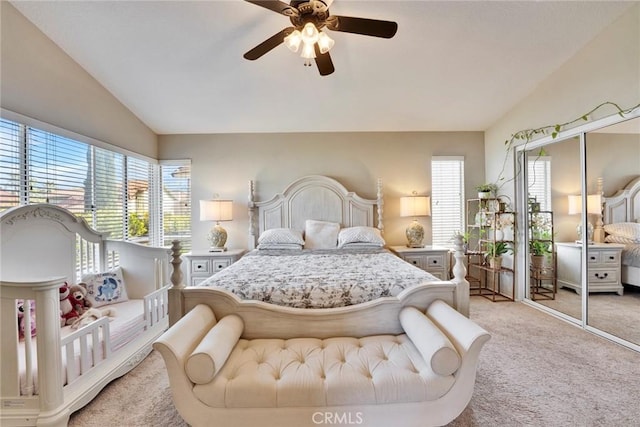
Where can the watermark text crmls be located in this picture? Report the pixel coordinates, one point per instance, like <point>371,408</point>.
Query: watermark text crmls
<point>338,418</point>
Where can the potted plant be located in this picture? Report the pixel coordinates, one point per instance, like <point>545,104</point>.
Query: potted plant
<point>485,191</point>
<point>538,250</point>
<point>494,253</point>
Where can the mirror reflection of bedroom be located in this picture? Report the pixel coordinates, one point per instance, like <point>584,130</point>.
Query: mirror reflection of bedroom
<point>609,298</point>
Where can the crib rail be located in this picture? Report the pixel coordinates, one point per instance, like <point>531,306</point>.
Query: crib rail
<point>86,348</point>
<point>156,307</point>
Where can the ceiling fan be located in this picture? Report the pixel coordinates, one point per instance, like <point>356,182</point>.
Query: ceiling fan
<point>308,18</point>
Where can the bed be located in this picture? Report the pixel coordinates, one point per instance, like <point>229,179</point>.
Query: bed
<point>364,270</point>
<point>46,377</point>
<point>622,225</point>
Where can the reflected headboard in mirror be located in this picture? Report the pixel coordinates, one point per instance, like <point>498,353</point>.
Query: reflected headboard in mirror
<point>624,205</point>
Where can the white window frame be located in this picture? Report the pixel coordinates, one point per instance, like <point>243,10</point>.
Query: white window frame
<point>442,228</point>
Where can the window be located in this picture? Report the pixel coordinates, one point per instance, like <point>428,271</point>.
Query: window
<point>114,192</point>
<point>176,203</point>
<point>447,198</point>
<point>539,178</point>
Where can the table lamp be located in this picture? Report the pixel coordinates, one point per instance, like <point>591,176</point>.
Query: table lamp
<point>594,206</point>
<point>415,206</point>
<point>216,210</point>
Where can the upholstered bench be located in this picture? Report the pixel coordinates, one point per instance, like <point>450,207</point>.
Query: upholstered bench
<point>422,372</point>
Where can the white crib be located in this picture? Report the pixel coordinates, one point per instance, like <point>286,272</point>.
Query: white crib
<point>42,246</point>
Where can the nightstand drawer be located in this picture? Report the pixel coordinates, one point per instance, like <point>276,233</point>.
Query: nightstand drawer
<point>219,264</point>
<point>610,257</point>
<point>202,266</point>
<point>435,262</point>
<point>417,260</point>
<point>602,275</point>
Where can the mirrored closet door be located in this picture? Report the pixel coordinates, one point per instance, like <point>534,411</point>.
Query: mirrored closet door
<point>580,239</point>
<point>613,282</point>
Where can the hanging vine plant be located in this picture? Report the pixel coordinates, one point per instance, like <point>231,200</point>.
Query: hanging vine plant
<point>525,136</point>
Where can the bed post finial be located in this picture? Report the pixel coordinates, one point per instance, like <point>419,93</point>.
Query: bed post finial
<point>380,202</point>
<point>598,232</point>
<point>175,291</point>
<point>252,214</point>
<point>459,277</point>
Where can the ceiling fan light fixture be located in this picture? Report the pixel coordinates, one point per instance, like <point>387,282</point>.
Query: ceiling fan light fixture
<point>308,51</point>
<point>293,41</point>
<point>325,43</point>
<point>309,34</point>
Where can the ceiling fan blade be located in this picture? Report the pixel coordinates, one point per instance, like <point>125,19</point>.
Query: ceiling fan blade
<point>276,6</point>
<point>323,61</point>
<point>364,26</point>
<point>270,43</point>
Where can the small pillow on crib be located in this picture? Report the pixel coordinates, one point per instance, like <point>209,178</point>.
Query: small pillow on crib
<point>106,288</point>
<point>214,349</point>
<point>434,345</point>
<point>360,236</point>
<point>280,236</point>
<point>321,234</point>
<point>628,230</point>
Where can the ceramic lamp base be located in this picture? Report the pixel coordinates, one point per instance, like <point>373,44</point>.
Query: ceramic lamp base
<point>415,235</point>
<point>218,238</point>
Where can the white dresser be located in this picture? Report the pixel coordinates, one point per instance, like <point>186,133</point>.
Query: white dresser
<point>432,259</point>
<point>202,264</point>
<point>603,272</point>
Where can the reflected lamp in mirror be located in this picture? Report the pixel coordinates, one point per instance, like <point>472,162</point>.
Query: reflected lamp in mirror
<point>594,206</point>
<point>415,206</point>
<point>216,210</point>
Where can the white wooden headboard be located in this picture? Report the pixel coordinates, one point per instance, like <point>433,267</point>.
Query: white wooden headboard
<point>624,206</point>
<point>313,197</point>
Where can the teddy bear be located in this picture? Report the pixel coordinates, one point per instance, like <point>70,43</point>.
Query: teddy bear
<point>79,292</point>
<point>21,318</point>
<point>68,305</point>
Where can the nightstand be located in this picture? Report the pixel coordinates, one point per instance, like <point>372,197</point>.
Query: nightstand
<point>604,268</point>
<point>432,259</point>
<point>202,264</point>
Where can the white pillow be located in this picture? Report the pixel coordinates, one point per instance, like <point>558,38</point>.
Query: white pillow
<point>320,234</point>
<point>363,236</point>
<point>288,246</point>
<point>611,238</point>
<point>629,230</point>
<point>277,236</point>
<point>106,288</point>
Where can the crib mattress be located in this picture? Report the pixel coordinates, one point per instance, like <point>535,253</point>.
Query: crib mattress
<point>124,326</point>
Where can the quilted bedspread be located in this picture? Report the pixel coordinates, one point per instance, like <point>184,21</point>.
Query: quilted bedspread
<point>631,255</point>
<point>318,278</point>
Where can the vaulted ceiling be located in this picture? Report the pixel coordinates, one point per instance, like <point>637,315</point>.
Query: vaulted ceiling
<point>452,66</point>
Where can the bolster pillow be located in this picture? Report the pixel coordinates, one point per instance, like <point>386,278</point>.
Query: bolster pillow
<point>434,346</point>
<point>214,349</point>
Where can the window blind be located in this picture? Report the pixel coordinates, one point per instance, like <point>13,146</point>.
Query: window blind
<point>176,203</point>
<point>11,147</point>
<point>108,192</point>
<point>57,171</point>
<point>447,198</point>
<point>539,180</point>
<point>137,208</point>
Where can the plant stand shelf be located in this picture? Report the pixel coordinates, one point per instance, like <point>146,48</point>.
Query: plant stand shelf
<point>490,287</point>
<point>543,285</point>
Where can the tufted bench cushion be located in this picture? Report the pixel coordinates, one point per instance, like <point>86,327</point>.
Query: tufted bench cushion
<point>264,373</point>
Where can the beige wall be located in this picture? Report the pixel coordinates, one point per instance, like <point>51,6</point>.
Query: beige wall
<point>42,82</point>
<point>224,164</point>
<point>606,69</point>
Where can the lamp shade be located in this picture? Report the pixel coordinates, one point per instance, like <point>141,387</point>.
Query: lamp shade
<point>594,204</point>
<point>415,206</point>
<point>216,210</point>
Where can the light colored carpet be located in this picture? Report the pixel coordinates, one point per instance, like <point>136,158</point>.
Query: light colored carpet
<point>535,371</point>
<point>616,314</point>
